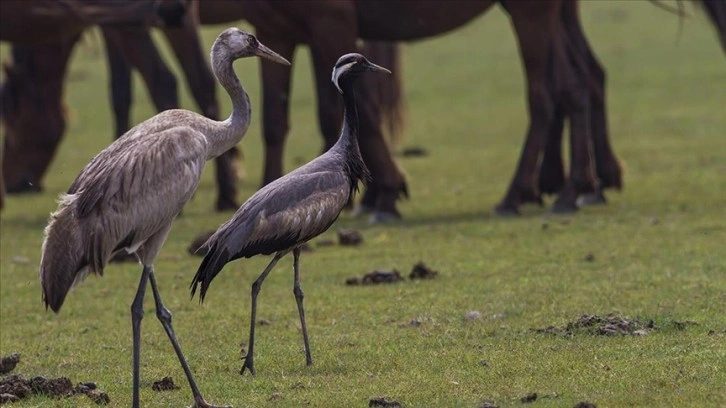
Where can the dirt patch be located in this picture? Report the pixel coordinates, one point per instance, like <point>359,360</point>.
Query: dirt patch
<point>383,402</point>
<point>165,384</point>
<point>349,237</point>
<point>8,363</point>
<point>488,404</point>
<point>16,387</point>
<point>610,325</point>
<point>325,242</point>
<point>585,404</point>
<point>529,398</point>
<point>422,271</point>
<point>376,277</point>
<point>195,248</point>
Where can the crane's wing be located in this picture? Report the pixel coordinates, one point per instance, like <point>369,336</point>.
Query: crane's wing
<point>135,171</point>
<point>289,211</point>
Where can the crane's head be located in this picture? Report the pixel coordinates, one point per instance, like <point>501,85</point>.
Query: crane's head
<point>349,66</point>
<point>235,43</point>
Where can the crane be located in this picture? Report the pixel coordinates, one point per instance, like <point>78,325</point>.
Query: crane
<point>126,198</point>
<point>293,209</point>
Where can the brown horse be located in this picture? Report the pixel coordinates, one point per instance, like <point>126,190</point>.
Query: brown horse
<point>30,144</point>
<point>564,80</point>
<point>61,21</point>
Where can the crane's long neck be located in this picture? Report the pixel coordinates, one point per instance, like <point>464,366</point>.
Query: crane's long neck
<point>348,141</point>
<point>230,131</point>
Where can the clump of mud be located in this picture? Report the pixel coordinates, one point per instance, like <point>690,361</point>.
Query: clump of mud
<point>419,271</point>
<point>610,325</point>
<point>422,271</point>
<point>376,277</point>
<point>16,387</point>
<point>165,384</point>
<point>383,402</point>
<point>8,363</point>
<point>349,237</point>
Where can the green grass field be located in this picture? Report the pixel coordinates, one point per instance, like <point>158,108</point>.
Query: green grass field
<point>654,252</point>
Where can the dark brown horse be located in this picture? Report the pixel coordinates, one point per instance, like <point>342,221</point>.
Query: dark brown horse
<point>30,144</point>
<point>61,21</point>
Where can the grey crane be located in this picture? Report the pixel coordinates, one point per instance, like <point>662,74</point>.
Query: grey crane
<point>126,198</point>
<point>293,209</point>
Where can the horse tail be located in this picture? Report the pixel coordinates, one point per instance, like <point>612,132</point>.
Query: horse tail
<point>388,89</point>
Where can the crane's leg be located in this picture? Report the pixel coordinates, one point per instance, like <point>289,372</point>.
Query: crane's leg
<point>297,290</point>
<point>256,286</point>
<point>164,316</point>
<point>137,313</point>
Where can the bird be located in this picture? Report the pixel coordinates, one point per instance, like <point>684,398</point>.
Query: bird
<point>127,196</point>
<point>283,215</point>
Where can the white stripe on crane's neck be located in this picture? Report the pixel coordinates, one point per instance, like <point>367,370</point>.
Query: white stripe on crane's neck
<point>339,71</point>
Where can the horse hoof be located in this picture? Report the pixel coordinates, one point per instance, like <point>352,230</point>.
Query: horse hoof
<point>506,210</point>
<point>383,217</point>
<point>563,208</point>
<point>591,199</point>
<point>361,209</point>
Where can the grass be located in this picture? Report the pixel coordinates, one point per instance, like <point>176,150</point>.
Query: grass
<point>657,248</point>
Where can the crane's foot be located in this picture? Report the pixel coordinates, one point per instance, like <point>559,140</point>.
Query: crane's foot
<point>248,365</point>
<point>201,403</point>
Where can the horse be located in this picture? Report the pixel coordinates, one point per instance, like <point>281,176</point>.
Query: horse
<point>564,81</point>
<point>30,144</point>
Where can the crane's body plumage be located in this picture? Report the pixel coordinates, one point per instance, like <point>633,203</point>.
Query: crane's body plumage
<point>109,209</point>
<point>287,212</point>
<point>127,196</point>
<point>293,209</point>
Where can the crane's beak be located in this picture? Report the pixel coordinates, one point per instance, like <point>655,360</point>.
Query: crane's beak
<point>376,68</point>
<point>264,52</point>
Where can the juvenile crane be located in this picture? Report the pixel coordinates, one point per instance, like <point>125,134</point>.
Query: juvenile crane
<point>126,198</point>
<point>293,209</point>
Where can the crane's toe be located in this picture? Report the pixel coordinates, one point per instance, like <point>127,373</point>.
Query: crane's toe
<point>248,365</point>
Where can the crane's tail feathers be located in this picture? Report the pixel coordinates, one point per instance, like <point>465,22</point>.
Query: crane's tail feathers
<point>211,265</point>
<point>62,263</point>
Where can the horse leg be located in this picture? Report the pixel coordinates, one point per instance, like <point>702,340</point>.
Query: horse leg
<point>551,171</point>
<point>138,49</point>
<point>186,45</point>
<point>389,105</point>
<point>119,83</point>
<point>533,23</point>
<point>572,90</point>
<point>275,104</point>
<point>606,163</point>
